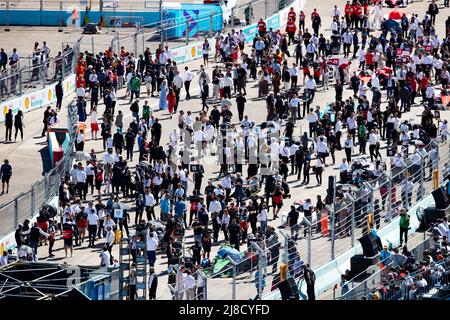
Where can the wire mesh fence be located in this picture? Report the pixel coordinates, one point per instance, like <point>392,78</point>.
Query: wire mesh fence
<point>26,204</point>
<point>16,81</point>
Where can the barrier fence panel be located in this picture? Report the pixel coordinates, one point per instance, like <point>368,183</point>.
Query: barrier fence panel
<point>15,82</point>
<point>24,206</point>
<point>378,201</point>
<point>7,216</point>
<point>39,193</point>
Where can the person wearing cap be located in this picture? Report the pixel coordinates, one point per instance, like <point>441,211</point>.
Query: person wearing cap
<point>385,255</point>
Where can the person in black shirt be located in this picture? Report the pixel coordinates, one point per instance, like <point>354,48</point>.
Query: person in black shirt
<point>242,76</point>
<point>9,125</point>
<point>289,131</point>
<point>156,131</point>
<point>5,174</point>
<point>18,236</point>
<point>234,231</point>
<point>196,251</point>
<point>215,116</point>
<point>198,176</point>
<point>18,124</point>
<point>45,121</point>
<point>203,217</point>
<point>293,222</point>
<point>299,160</point>
<point>252,216</point>
<point>240,101</point>
<point>106,132</point>
<point>129,143</point>
<point>35,233</point>
<point>209,191</point>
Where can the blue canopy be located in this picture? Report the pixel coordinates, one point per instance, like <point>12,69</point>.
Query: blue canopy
<point>226,251</point>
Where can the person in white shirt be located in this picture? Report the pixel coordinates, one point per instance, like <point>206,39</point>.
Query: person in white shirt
<point>294,106</point>
<point>163,58</point>
<point>105,258</point>
<point>348,147</point>
<point>322,149</point>
<point>178,85</point>
<point>312,121</point>
<point>407,191</point>
<point>81,182</point>
<point>214,205</point>
<point>347,39</point>
<point>152,246</point>
<point>109,239</point>
<point>226,184</point>
<point>374,145</point>
<point>189,285</point>
<point>375,82</point>
<point>311,87</point>
<point>351,126</point>
<point>188,77</point>
<point>93,224</point>
<point>149,204</point>
<point>343,171</point>
<point>319,169</point>
<point>293,72</point>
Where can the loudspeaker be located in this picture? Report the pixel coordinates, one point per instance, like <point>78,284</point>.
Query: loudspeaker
<point>431,214</point>
<point>359,264</point>
<point>369,245</point>
<point>288,290</point>
<point>440,198</point>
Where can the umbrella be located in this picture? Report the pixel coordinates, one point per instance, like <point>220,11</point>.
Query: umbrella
<point>395,15</point>
<point>391,24</point>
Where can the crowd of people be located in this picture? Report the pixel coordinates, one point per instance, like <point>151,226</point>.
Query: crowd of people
<point>405,61</point>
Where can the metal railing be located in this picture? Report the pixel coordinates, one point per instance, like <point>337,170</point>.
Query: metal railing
<point>385,194</point>
<point>198,291</point>
<point>398,289</point>
<point>15,81</point>
<point>26,204</point>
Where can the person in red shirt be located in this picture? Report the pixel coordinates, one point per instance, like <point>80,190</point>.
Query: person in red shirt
<point>366,9</point>
<point>291,28</point>
<point>348,12</point>
<point>292,15</point>
<point>262,28</point>
<point>369,59</point>
<point>413,83</point>
<point>171,101</point>
<point>314,13</point>
<point>423,87</point>
<point>358,15</point>
<point>301,21</point>
<point>353,16</point>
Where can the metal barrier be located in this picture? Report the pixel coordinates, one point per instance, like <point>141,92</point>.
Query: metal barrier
<point>15,82</point>
<point>26,204</point>
<point>389,192</point>
<point>398,289</point>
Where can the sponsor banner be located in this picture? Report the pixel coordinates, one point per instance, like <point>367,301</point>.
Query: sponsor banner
<point>36,99</point>
<point>333,61</point>
<point>277,21</point>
